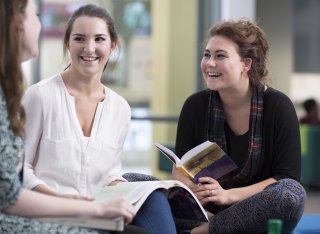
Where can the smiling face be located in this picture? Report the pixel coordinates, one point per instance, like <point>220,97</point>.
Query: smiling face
<point>222,67</point>
<point>89,46</point>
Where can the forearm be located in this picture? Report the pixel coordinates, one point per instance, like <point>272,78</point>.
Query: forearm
<point>34,204</point>
<point>41,188</point>
<point>240,194</point>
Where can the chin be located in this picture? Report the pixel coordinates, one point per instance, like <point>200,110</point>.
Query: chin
<point>28,56</point>
<point>213,89</point>
<point>212,86</point>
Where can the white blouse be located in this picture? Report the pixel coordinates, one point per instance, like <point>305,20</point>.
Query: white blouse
<point>57,152</point>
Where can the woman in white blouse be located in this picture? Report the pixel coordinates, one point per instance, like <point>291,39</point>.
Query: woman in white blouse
<point>76,126</point>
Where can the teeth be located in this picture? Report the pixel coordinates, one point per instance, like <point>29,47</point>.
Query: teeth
<point>214,74</point>
<point>89,58</point>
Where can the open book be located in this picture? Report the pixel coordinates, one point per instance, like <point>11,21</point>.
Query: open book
<point>184,204</point>
<point>206,159</point>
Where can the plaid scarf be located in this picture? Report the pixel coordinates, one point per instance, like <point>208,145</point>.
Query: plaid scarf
<point>216,134</point>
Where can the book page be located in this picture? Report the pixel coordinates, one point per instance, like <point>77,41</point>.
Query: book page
<point>167,152</point>
<point>131,190</point>
<point>204,158</point>
<point>217,169</point>
<point>138,192</point>
<point>183,203</point>
<point>135,192</point>
<point>207,145</point>
<point>207,159</point>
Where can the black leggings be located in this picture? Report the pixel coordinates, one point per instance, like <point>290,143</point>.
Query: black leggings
<point>283,200</point>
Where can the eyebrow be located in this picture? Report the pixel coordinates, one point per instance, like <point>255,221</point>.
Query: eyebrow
<point>223,51</point>
<point>96,35</point>
<point>218,51</point>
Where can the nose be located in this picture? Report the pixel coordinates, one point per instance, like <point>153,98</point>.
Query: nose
<point>89,46</point>
<point>211,61</point>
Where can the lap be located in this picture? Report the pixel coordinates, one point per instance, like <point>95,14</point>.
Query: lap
<point>283,200</point>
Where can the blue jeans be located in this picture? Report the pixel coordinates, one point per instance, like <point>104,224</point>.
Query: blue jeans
<point>155,215</point>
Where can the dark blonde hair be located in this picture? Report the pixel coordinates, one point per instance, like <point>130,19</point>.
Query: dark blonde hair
<point>11,76</point>
<point>90,10</point>
<point>252,43</point>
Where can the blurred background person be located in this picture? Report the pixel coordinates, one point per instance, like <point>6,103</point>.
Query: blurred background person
<point>311,112</point>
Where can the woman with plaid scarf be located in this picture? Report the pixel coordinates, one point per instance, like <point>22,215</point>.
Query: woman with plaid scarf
<point>255,124</point>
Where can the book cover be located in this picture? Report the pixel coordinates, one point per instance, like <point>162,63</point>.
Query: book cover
<point>206,159</point>
<point>116,224</point>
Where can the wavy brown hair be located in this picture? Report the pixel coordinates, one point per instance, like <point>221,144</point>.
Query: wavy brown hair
<point>11,77</point>
<point>252,43</point>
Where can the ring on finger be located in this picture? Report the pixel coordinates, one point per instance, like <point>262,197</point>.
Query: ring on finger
<point>210,193</point>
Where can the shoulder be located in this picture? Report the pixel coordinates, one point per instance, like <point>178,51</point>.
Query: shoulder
<point>198,100</point>
<point>194,110</point>
<point>50,81</point>
<point>42,93</point>
<point>199,96</point>
<point>275,99</point>
<point>278,106</point>
<point>45,86</point>
<point>117,100</point>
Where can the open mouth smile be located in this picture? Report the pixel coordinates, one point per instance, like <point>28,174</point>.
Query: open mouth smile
<point>89,58</point>
<point>214,74</point>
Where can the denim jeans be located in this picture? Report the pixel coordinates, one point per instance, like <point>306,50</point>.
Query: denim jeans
<point>155,215</point>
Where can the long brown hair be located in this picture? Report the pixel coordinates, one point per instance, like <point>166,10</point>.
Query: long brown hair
<point>11,77</point>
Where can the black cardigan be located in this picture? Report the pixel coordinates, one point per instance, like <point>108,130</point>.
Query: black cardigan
<point>281,135</point>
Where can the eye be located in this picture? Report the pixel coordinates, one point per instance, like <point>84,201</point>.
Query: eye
<point>79,39</point>
<point>101,39</point>
<point>206,55</point>
<point>220,56</point>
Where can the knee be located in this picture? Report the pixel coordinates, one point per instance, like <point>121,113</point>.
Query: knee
<point>158,202</point>
<point>157,197</point>
<point>291,204</point>
<point>293,196</point>
<point>131,176</point>
<point>293,187</point>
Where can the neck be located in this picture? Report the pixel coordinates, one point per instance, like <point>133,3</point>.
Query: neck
<point>236,99</point>
<point>76,83</point>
